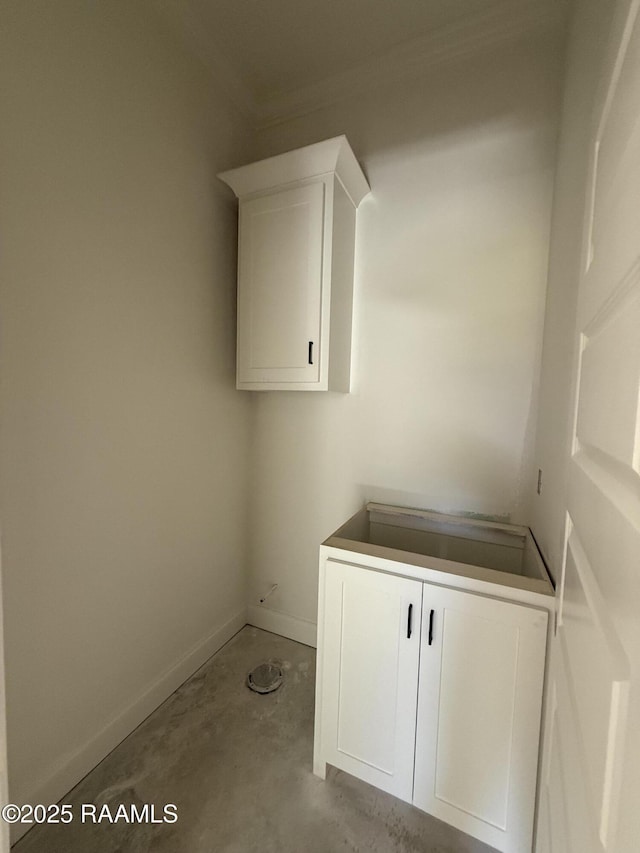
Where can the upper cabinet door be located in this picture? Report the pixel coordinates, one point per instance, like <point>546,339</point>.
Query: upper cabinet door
<point>479,705</point>
<point>280,286</point>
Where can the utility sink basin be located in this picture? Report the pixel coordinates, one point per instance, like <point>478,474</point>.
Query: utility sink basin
<point>499,553</point>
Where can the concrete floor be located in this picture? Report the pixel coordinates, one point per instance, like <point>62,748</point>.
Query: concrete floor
<point>238,767</point>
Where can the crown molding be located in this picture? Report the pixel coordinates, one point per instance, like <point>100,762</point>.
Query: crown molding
<point>203,44</point>
<point>331,156</point>
<point>504,22</point>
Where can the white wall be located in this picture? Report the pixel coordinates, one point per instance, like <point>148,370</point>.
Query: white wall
<point>124,442</point>
<point>553,432</point>
<point>449,299</point>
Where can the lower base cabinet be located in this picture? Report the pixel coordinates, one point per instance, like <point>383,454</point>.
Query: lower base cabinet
<point>433,694</point>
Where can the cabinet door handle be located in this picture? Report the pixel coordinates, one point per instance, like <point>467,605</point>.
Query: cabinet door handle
<point>431,627</point>
<point>409,615</point>
<point>310,352</point>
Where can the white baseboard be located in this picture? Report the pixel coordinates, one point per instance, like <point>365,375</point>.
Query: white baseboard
<point>71,768</point>
<point>292,627</point>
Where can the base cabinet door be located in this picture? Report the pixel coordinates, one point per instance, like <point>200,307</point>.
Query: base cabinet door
<point>371,643</point>
<point>479,707</point>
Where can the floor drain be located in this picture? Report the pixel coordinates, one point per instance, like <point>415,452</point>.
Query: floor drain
<point>265,678</point>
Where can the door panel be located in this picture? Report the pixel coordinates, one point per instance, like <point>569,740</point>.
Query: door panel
<point>467,708</point>
<point>599,680</point>
<point>569,826</point>
<point>479,704</point>
<point>371,665</point>
<point>279,285</point>
<point>610,387</point>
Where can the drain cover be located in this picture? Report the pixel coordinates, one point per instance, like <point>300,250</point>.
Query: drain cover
<point>265,678</point>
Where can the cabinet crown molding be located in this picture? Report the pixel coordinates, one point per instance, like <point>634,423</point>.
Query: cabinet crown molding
<point>329,156</point>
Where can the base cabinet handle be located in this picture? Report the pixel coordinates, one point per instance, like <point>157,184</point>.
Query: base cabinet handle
<point>409,617</point>
<point>431,615</point>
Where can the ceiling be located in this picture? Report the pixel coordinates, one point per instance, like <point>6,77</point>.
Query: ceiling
<point>269,49</point>
<point>277,45</point>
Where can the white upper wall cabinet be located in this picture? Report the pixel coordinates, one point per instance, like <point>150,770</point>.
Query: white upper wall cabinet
<point>295,267</point>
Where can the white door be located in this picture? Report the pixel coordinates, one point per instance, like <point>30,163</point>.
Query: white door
<point>479,707</point>
<point>370,661</point>
<point>280,286</point>
<point>590,798</point>
<point>4,781</point>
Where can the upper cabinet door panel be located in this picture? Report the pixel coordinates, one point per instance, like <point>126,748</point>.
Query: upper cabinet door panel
<point>280,285</point>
